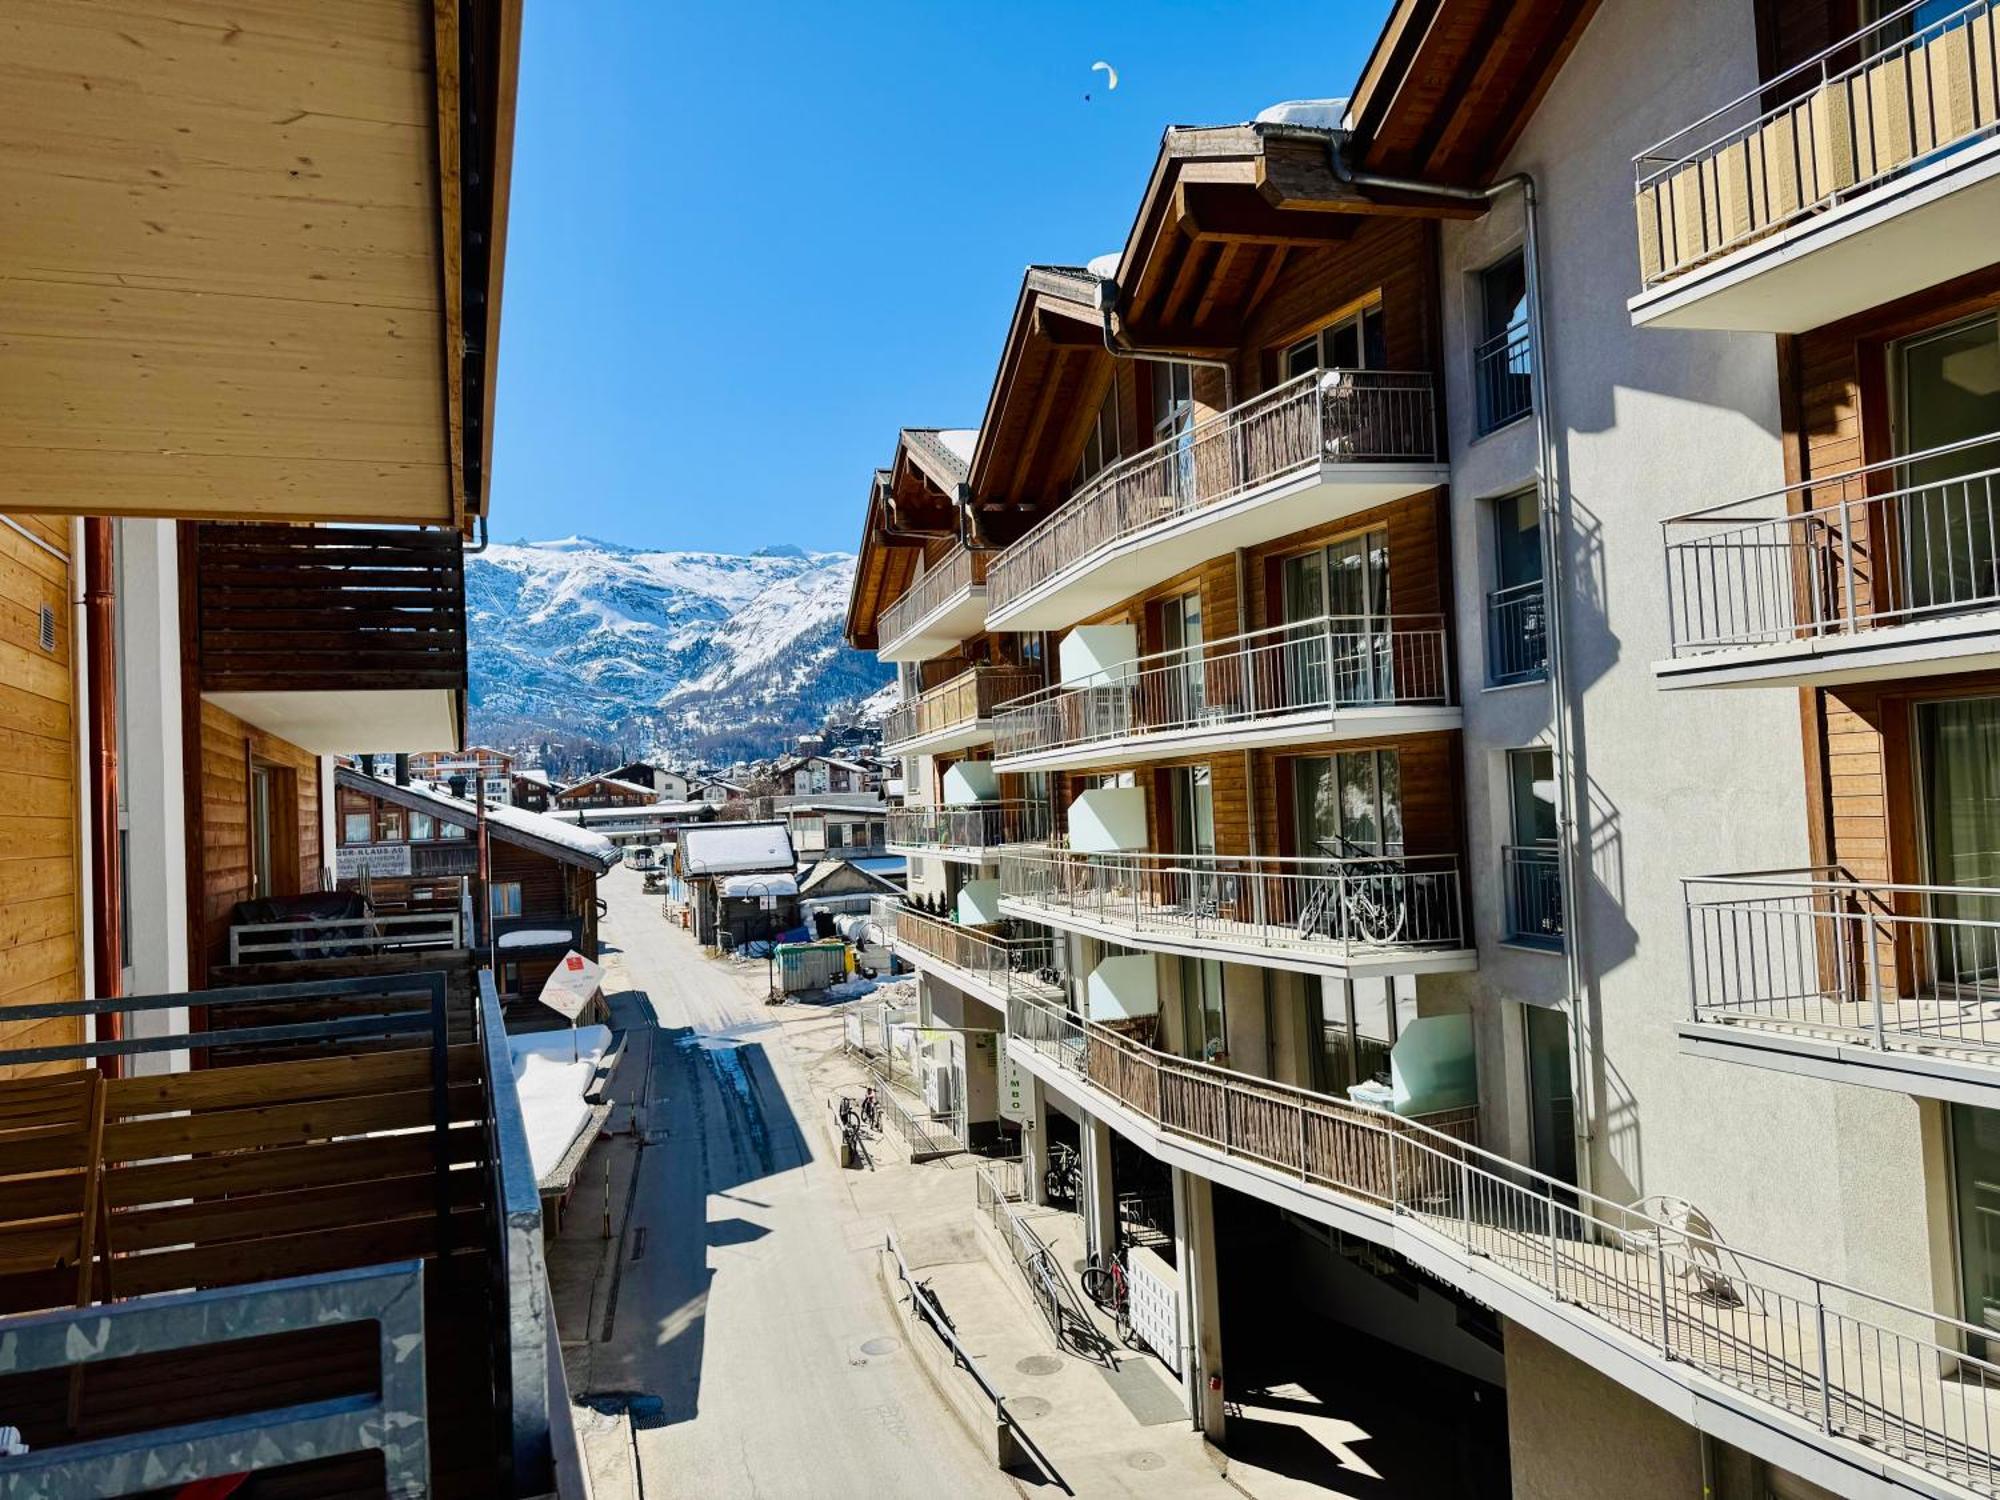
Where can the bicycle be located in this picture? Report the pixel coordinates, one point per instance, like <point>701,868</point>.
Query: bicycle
<point>1064,1177</point>
<point>931,1311</point>
<point>871,1109</point>
<point>1105,1284</point>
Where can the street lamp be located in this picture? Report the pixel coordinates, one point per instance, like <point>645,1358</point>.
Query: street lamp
<point>770,947</point>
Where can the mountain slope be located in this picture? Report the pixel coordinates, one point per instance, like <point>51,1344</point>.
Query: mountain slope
<point>701,652</point>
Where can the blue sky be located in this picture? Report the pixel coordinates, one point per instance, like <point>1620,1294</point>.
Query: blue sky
<point>748,241</point>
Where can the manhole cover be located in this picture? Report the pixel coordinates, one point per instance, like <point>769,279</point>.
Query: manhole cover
<point>881,1346</point>
<point>1144,1461</point>
<point>1039,1364</point>
<point>1030,1407</point>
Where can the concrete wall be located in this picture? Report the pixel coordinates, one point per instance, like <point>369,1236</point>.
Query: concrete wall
<point>1573,1435</point>
<point>1650,423</point>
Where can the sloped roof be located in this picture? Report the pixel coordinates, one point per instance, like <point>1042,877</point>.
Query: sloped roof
<point>736,849</point>
<point>513,825</point>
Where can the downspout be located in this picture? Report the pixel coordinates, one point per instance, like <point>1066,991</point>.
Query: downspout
<point>1548,492</point>
<point>1118,347</point>
<point>106,880</point>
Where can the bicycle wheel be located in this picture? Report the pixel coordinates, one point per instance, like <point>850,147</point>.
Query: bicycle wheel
<point>1098,1284</point>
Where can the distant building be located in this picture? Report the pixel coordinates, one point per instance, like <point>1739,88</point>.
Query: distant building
<point>603,791</point>
<point>672,786</point>
<point>738,878</point>
<point>463,770</point>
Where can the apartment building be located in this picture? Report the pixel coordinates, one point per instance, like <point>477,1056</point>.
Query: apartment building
<point>264,1226</point>
<point>1500,829</point>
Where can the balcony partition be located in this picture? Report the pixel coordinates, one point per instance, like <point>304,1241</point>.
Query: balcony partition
<point>1392,913</point>
<point>974,832</point>
<point>1813,573</point>
<point>1339,419</point>
<point>1860,1374</point>
<point>1288,682</point>
<point>1895,95</point>
<point>954,714</point>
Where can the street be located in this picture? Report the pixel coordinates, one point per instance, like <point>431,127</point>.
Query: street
<point>743,1313</point>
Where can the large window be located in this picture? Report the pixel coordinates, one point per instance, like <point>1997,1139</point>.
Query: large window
<point>1958,771</point>
<point>1100,444</point>
<point>1532,878</point>
<point>1353,343</point>
<point>1503,363</point>
<point>1348,805</point>
<point>1173,419</point>
<point>1347,660</point>
<point>1181,630</point>
<point>1203,1026</point>
<point>1356,1023</point>
<point>1948,383</point>
<point>1516,630</point>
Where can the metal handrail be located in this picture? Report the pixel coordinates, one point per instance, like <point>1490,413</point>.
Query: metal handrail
<point>959,570</point>
<point>1340,906</point>
<point>323,937</point>
<point>1501,374</point>
<point>1323,416</point>
<point>964,700</point>
<point>1324,663</point>
<point>1517,638</point>
<point>1068,1321</point>
<point>974,825</point>
<point>1824,143</point>
<point>1533,893</point>
<point>1000,960</point>
<point>1839,555</point>
<point>1864,1368</point>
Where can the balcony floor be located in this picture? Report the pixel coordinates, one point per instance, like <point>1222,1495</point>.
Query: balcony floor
<point>1954,643</point>
<point>1124,567</point>
<point>941,630</point>
<point>943,741</point>
<point>1233,733</point>
<point>1169,929</point>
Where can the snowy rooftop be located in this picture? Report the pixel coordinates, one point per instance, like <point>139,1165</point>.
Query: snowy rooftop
<point>650,813</point>
<point>623,786</point>
<point>1318,114</point>
<point>736,849</point>
<point>760,885</point>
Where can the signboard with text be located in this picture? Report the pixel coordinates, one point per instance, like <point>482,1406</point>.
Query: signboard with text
<point>351,861</point>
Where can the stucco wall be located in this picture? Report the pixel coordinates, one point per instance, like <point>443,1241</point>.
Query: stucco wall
<point>1573,1435</point>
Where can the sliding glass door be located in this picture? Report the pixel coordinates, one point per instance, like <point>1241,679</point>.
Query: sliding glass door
<point>1949,381</point>
<point>1348,661</point>
<point>1958,767</point>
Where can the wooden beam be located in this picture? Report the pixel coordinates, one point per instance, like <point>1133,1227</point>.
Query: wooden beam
<point>1240,218</point>
<point>1051,383</point>
<point>1186,279</point>
<point>1225,262</point>
<point>1272,266</point>
<point>1067,332</point>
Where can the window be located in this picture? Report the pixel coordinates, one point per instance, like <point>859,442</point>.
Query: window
<point>453,830</point>
<point>263,836</point>
<point>1347,659</point>
<point>504,898</point>
<point>1516,630</point>
<point>357,828</point>
<point>1532,878</point>
<point>1948,388</point>
<point>1180,630</point>
<point>1357,1022</point>
<point>1352,343</point>
<point>1203,1029</point>
<point>1100,444</point>
<point>1173,399</point>
<point>1193,800</point>
<point>1349,805</point>
<point>1503,364</point>
<point>1958,784</point>
<point>391,825</point>
<point>422,827</point>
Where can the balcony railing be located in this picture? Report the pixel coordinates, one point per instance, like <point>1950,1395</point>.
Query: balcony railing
<point>971,696</point>
<point>1866,1371</point>
<point>1892,967</point>
<point>329,609</point>
<point>340,937</point>
<point>1886,99</point>
<point>1532,878</point>
<point>1860,550</point>
<point>976,827</point>
<point>958,570</point>
<point>1320,665</point>
<point>1517,638</point>
<point>1330,416</point>
<point>1033,963</point>
<point>1503,375</point>
<point>1375,906</point>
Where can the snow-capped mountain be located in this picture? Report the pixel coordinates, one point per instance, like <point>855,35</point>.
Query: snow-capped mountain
<point>702,652</point>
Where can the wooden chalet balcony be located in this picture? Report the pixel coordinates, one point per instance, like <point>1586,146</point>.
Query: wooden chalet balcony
<point>1865,173</point>
<point>1862,573</point>
<point>333,638</point>
<point>1813,971</point>
<point>955,714</point>
<point>1889,1393</point>
<point>937,612</point>
<point>1324,445</point>
<point>315,1240</point>
<point>1388,914</point>
<point>971,834</point>
<point>1328,678</point>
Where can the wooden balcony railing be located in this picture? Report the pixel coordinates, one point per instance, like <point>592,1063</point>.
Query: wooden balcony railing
<point>1898,93</point>
<point>972,695</point>
<point>958,570</point>
<point>1322,417</point>
<point>329,609</point>
<point>1033,963</point>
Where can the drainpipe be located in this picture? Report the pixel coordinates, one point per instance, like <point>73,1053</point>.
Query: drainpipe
<point>1118,347</point>
<point>106,883</point>
<point>1548,492</point>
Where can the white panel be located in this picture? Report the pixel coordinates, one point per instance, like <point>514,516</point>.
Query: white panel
<point>970,781</point>
<point>1108,820</point>
<point>1431,1066</point>
<point>1154,1288</point>
<point>1123,988</point>
<point>1092,655</point>
<point>979,903</point>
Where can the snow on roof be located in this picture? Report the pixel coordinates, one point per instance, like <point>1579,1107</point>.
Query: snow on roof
<point>630,786</point>
<point>1104,265</point>
<point>736,848</point>
<point>1319,114</point>
<point>760,885</point>
<point>534,773</point>
<point>960,440</point>
<point>649,814</point>
<point>585,846</point>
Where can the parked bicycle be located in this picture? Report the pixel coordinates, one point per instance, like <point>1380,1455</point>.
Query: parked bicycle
<point>1365,896</point>
<point>1064,1178</point>
<point>930,1310</point>
<point>1105,1283</point>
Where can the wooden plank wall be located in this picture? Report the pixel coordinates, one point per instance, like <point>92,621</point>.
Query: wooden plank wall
<point>228,745</point>
<point>41,929</point>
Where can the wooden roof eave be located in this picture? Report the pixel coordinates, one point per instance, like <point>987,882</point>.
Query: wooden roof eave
<point>1036,309</point>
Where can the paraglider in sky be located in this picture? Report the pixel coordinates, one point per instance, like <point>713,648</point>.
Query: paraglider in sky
<point>1110,77</point>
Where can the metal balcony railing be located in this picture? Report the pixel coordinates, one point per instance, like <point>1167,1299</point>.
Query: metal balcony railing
<point>1324,416</point>
<point>1532,878</point>
<point>1893,967</point>
<point>1867,1371</point>
<point>1503,377</point>
<point>1032,963</point>
<point>1338,908</point>
<point>1318,665</point>
<point>1517,638</point>
<point>966,699</point>
<point>1894,95</point>
<point>977,826</point>
<point>1864,549</point>
<point>960,569</point>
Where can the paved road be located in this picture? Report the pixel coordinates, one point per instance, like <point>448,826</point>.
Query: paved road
<point>748,1300</point>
